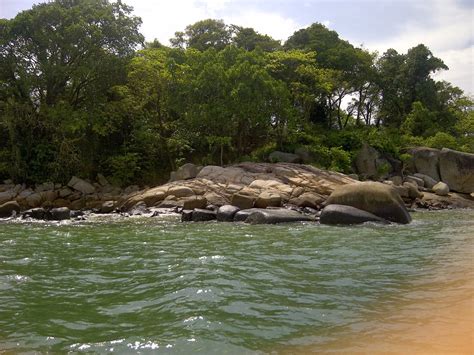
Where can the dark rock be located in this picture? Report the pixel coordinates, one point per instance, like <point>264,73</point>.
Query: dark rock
<point>107,207</point>
<point>59,214</point>
<point>274,216</point>
<point>342,214</point>
<point>201,215</point>
<point>186,216</point>
<point>9,208</point>
<point>76,214</point>
<point>36,213</point>
<point>226,213</point>
<point>242,215</point>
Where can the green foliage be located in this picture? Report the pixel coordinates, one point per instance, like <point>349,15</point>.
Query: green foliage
<point>442,140</point>
<point>123,169</point>
<point>78,98</point>
<point>340,159</point>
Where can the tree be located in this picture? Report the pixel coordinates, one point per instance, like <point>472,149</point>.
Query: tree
<point>203,35</point>
<point>249,39</point>
<point>58,61</point>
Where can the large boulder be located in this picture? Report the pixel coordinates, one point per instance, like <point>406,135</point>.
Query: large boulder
<point>185,172</point>
<point>36,213</point>
<point>243,200</point>
<point>341,214</point>
<point>457,170</point>
<point>274,216</point>
<point>9,208</point>
<point>380,199</point>
<point>370,163</point>
<point>81,185</point>
<point>192,202</point>
<point>7,196</point>
<point>268,199</point>
<point>282,157</point>
<point>426,161</point>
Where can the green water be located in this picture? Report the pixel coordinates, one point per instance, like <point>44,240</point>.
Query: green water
<point>158,285</point>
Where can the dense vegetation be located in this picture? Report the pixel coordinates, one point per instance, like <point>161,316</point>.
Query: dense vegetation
<point>80,93</point>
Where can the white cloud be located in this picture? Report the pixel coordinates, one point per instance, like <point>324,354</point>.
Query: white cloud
<point>272,24</point>
<point>162,19</point>
<point>448,35</point>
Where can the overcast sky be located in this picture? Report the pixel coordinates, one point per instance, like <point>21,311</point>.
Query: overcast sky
<point>445,26</point>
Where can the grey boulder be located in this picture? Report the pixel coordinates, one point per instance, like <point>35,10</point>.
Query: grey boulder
<point>342,214</point>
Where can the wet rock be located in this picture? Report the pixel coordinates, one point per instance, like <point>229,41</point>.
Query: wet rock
<point>186,216</point>
<point>242,215</point>
<point>9,208</point>
<point>226,213</point>
<point>36,213</point>
<point>379,199</point>
<point>201,215</point>
<point>60,214</point>
<point>139,209</point>
<point>342,214</point>
<point>274,216</point>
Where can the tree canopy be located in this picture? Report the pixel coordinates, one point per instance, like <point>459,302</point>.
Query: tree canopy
<point>80,93</point>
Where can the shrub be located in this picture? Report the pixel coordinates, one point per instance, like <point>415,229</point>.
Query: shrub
<point>442,140</point>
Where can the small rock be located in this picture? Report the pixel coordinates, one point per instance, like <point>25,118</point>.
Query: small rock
<point>107,207</point>
<point>268,199</point>
<point>428,180</point>
<point>415,180</point>
<point>186,216</point>
<point>441,189</point>
<point>226,213</point>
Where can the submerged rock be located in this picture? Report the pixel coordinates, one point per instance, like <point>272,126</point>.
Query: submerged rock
<point>274,216</point>
<point>342,214</point>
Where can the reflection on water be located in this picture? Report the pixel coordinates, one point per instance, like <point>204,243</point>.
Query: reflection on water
<point>153,285</point>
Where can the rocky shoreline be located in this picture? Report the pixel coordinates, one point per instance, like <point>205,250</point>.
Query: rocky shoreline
<point>260,193</point>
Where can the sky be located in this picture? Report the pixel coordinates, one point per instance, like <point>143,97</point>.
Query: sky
<point>445,26</point>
